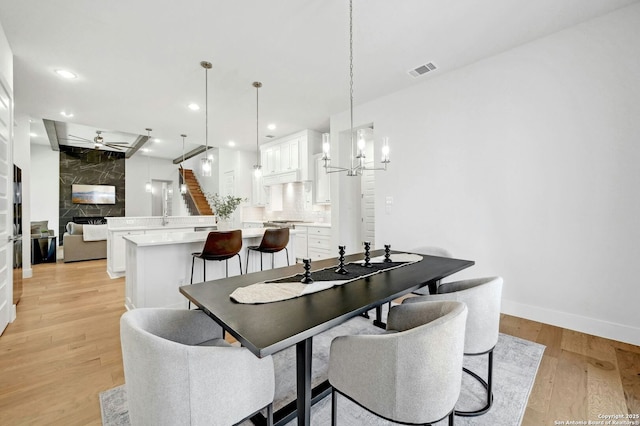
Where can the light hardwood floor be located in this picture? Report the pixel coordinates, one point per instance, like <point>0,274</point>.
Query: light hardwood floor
<point>64,349</point>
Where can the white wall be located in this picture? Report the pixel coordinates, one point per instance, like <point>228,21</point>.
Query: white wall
<point>241,163</point>
<point>527,163</point>
<point>45,192</point>
<point>140,169</point>
<point>21,158</point>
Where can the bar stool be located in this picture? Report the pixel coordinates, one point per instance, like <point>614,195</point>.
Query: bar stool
<point>273,241</point>
<point>220,245</point>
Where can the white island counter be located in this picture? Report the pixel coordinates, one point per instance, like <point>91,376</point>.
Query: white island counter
<point>157,264</point>
<point>120,227</point>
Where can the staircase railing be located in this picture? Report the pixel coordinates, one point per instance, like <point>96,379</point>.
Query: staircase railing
<point>187,197</point>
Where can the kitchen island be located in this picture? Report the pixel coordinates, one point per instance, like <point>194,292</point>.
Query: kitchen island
<point>120,227</point>
<point>158,264</point>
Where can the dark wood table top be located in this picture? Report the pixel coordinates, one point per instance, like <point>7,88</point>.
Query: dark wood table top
<point>268,328</point>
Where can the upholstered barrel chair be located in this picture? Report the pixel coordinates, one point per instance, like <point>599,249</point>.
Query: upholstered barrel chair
<point>482,296</point>
<point>179,371</point>
<point>412,373</point>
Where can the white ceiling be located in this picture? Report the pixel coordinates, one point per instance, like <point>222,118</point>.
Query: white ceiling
<point>138,62</point>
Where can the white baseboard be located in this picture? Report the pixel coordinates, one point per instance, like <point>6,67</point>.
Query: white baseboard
<point>27,273</point>
<point>596,327</point>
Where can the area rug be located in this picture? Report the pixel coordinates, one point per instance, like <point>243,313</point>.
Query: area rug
<point>516,363</point>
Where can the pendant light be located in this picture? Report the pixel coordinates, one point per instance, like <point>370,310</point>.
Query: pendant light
<point>147,186</point>
<point>357,164</point>
<point>205,162</point>
<point>183,185</point>
<point>257,168</point>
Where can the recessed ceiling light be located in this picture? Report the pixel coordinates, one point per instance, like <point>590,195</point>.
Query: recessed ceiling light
<point>156,140</point>
<point>232,143</point>
<point>144,149</point>
<point>66,114</point>
<point>33,135</point>
<point>271,126</point>
<point>194,107</point>
<point>210,157</point>
<point>66,74</point>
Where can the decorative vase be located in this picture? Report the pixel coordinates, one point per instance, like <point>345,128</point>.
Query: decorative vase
<point>224,224</point>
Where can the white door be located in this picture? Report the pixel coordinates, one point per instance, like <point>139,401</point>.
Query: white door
<point>229,184</point>
<point>368,195</point>
<point>229,188</point>
<point>6,211</point>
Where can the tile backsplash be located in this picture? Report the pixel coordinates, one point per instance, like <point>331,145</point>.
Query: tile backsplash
<point>296,205</point>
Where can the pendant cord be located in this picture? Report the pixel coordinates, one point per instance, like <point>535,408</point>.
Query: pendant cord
<point>206,111</point>
<point>257,127</point>
<point>351,76</point>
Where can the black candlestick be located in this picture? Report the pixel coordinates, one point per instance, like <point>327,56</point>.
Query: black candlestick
<point>387,252</point>
<point>367,257</point>
<point>306,279</point>
<point>341,269</point>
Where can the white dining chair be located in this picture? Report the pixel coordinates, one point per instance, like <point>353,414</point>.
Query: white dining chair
<point>482,296</point>
<point>179,371</point>
<point>411,374</point>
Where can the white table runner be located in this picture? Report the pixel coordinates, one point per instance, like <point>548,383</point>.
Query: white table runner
<point>265,292</point>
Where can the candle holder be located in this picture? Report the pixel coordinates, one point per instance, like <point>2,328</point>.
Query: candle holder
<point>306,278</point>
<point>341,269</point>
<point>367,257</point>
<point>387,253</point>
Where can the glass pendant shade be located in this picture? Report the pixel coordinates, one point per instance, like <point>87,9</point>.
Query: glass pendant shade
<point>183,188</point>
<point>257,171</point>
<point>205,166</point>
<point>147,187</point>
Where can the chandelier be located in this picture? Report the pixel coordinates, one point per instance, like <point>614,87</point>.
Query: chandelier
<point>205,162</point>
<point>357,164</point>
<point>257,168</point>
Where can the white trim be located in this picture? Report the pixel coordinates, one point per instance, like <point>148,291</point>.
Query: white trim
<point>596,327</point>
<point>27,273</point>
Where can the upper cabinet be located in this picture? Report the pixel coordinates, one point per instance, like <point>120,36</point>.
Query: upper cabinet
<point>290,158</point>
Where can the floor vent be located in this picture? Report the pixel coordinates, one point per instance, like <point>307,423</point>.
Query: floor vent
<point>422,69</point>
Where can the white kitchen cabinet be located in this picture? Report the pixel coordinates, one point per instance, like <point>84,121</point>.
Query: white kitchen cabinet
<point>300,239</point>
<point>117,254</point>
<point>258,191</point>
<point>322,183</point>
<point>318,243</point>
<point>290,157</point>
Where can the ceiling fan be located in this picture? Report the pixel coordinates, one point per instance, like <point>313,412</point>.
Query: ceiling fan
<point>98,141</point>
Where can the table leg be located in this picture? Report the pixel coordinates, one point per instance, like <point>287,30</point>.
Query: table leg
<point>303,380</point>
<point>378,321</point>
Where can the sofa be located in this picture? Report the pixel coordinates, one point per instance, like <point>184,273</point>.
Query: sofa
<point>78,247</point>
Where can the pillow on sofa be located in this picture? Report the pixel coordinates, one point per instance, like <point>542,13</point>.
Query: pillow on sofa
<point>94,232</point>
<point>74,228</point>
<point>39,227</point>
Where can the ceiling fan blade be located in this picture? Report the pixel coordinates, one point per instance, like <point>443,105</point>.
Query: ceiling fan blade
<point>118,148</point>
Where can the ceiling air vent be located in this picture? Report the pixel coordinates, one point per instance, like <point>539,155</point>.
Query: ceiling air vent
<point>269,136</point>
<point>422,69</point>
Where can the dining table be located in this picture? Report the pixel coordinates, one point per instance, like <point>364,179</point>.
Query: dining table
<point>267,328</point>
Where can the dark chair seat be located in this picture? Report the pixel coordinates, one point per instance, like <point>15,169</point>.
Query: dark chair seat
<point>219,246</point>
<point>273,241</point>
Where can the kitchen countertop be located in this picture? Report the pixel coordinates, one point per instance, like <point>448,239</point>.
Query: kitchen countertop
<point>154,227</point>
<point>314,224</point>
<point>169,238</point>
